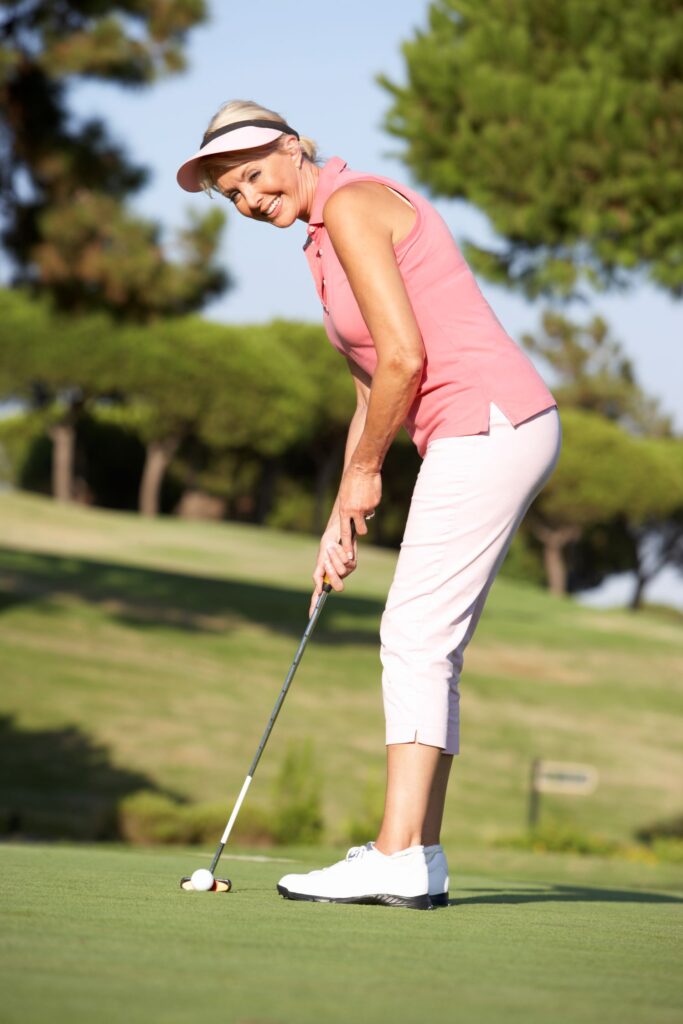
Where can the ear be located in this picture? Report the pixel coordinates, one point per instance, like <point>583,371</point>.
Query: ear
<point>292,146</point>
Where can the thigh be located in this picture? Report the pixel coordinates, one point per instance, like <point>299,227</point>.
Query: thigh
<point>470,495</point>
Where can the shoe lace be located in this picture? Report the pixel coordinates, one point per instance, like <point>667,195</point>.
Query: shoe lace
<point>358,851</point>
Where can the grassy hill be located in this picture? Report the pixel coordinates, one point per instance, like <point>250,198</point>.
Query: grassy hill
<point>139,653</point>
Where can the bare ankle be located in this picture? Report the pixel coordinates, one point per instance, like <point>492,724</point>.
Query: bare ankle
<point>394,844</point>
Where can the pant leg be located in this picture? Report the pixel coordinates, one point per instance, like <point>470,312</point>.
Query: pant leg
<point>470,496</point>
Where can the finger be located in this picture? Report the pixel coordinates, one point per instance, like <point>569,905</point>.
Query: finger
<point>346,535</point>
<point>361,528</point>
<point>338,558</point>
<point>332,574</point>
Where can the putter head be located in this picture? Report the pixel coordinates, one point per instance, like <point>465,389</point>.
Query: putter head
<point>219,885</point>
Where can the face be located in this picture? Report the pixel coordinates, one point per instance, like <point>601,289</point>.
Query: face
<point>269,188</point>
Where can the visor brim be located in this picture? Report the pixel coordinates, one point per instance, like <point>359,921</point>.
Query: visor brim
<point>241,139</point>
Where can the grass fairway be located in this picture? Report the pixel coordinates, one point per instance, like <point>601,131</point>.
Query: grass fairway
<point>148,654</point>
<point>142,653</point>
<point>104,935</point>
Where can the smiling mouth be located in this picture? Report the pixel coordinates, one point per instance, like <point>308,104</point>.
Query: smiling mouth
<point>274,206</point>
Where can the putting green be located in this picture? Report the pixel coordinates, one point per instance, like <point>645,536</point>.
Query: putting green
<point>105,934</point>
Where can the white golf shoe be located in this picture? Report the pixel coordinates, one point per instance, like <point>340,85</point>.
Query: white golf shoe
<point>366,876</point>
<point>437,867</point>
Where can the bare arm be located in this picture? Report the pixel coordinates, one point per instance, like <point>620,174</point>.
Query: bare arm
<point>360,220</point>
<point>356,428</point>
<point>331,560</point>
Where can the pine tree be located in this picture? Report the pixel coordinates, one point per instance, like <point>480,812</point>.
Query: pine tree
<point>64,186</point>
<point>592,372</point>
<point>561,121</point>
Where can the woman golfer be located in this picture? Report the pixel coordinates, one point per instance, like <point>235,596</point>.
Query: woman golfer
<point>425,351</point>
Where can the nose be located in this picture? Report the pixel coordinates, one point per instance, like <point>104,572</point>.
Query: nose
<point>252,198</point>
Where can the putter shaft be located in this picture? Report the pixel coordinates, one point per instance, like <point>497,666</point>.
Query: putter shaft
<point>327,587</point>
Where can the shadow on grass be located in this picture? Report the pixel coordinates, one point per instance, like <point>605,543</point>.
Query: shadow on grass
<point>60,784</point>
<point>561,894</point>
<point>152,597</point>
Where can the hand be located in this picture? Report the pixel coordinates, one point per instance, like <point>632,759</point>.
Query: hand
<point>331,562</point>
<point>360,493</point>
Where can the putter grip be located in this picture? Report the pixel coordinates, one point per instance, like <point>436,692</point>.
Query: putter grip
<point>326,583</point>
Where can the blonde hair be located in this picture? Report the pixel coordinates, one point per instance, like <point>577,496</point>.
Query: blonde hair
<point>213,167</point>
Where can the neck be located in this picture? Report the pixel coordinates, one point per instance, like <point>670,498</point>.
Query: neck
<point>310,173</point>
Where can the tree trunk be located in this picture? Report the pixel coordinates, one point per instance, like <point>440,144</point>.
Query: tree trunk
<point>159,455</point>
<point>637,596</point>
<point>555,568</point>
<point>670,551</point>
<point>554,541</point>
<point>63,452</point>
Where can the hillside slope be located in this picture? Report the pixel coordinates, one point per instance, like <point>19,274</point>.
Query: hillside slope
<point>149,653</point>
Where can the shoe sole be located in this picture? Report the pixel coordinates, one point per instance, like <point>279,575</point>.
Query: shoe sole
<point>383,899</point>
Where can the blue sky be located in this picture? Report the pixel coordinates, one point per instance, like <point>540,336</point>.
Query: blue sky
<point>316,64</point>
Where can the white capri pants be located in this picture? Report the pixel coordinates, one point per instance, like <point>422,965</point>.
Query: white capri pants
<point>470,496</point>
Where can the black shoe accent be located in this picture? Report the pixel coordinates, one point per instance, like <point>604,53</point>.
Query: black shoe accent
<point>384,899</point>
<point>439,899</point>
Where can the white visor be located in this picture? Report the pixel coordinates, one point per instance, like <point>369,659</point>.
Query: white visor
<point>233,138</point>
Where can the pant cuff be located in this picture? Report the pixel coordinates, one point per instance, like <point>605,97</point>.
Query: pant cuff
<point>407,734</point>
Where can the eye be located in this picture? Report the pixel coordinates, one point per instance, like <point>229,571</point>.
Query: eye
<point>254,175</point>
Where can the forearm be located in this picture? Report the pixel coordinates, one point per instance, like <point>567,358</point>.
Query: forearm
<point>355,432</point>
<point>394,386</point>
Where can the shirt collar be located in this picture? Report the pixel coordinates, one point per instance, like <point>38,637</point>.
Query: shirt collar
<point>324,189</point>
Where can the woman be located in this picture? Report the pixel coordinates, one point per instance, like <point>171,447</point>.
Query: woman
<point>426,351</point>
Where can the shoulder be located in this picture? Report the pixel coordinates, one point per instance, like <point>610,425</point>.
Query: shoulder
<point>368,202</point>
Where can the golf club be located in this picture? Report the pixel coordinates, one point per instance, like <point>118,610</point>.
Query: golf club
<point>203,880</point>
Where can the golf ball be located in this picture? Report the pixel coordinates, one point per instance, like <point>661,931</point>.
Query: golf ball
<point>202,880</point>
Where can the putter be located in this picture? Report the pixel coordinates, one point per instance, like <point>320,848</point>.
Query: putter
<point>224,884</point>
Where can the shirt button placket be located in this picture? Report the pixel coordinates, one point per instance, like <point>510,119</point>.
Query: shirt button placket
<point>320,252</point>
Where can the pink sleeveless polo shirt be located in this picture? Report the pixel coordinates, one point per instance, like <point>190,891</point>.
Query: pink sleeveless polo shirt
<point>470,361</point>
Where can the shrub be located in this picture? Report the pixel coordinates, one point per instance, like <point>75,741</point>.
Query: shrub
<point>298,814</point>
<point>558,837</point>
<point>670,828</point>
<point>146,818</point>
<point>365,824</point>
<point>668,850</point>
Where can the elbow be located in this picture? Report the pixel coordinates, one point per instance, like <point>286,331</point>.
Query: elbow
<point>408,367</point>
<point>415,368</point>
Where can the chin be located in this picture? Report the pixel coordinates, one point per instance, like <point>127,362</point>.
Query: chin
<point>282,223</point>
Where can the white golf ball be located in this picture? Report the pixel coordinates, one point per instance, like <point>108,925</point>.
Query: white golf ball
<point>202,880</point>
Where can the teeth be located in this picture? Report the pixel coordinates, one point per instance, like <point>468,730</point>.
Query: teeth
<point>272,206</point>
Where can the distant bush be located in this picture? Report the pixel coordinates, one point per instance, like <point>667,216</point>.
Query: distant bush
<point>558,837</point>
<point>147,818</point>
<point>669,828</point>
<point>664,838</point>
<point>670,851</point>
<point>365,823</point>
<point>298,806</point>
<point>524,560</point>
<point>27,451</point>
<point>293,507</point>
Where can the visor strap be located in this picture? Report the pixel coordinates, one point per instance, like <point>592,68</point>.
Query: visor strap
<point>258,123</point>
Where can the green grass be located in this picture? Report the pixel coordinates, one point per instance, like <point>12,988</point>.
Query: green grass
<point>139,653</point>
<point>104,934</point>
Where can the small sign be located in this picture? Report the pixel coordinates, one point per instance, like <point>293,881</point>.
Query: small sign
<point>564,777</point>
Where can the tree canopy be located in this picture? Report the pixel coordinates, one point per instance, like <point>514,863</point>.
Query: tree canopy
<point>593,373</point>
<point>561,121</point>
<point>64,183</point>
